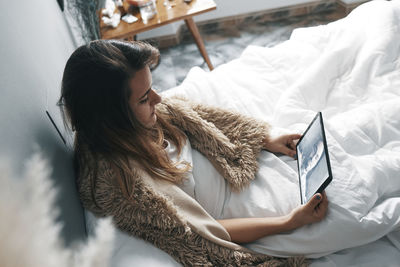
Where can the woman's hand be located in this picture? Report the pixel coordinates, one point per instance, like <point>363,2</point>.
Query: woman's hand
<point>313,211</point>
<point>285,144</point>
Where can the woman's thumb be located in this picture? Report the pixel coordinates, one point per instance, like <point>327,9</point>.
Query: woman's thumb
<point>316,199</point>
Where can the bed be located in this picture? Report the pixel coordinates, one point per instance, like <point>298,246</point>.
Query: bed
<point>350,71</point>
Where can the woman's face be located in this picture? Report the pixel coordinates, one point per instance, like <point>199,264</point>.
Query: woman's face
<point>143,98</point>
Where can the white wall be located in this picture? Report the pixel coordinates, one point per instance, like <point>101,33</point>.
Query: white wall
<point>225,8</point>
<point>35,44</point>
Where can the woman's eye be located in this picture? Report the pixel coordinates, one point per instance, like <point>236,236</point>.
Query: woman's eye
<point>144,100</point>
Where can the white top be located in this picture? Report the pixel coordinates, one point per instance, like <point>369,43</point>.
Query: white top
<point>203,182</point>
<point>185,156</point>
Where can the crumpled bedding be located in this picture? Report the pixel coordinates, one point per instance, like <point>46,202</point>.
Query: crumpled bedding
<point>349,70</point>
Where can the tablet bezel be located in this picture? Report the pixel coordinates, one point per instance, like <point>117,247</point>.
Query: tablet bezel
<point>329,178</point>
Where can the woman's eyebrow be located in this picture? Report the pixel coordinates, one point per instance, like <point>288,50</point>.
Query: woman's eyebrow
<point>145,94</point>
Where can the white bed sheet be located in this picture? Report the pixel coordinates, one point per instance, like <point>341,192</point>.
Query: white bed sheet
<point>349,70</point>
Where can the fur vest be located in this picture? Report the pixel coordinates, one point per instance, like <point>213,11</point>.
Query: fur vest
<point>161,213</point>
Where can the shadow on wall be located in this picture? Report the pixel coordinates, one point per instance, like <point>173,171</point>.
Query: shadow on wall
<point>60,159</point>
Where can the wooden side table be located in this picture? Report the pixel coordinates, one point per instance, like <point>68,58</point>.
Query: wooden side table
<point>179,11</point>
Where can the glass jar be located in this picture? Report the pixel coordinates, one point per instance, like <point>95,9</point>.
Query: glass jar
<point>147,10</point>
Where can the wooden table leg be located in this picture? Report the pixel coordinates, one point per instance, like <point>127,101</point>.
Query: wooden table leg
<point>199,41</point>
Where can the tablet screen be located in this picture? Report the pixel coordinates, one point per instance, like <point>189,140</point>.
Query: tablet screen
<point>313,160</point>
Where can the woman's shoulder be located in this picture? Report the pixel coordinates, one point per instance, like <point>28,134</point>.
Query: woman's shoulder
<point>90,163</point>
<point>178,105</point>
<point>96,179</point>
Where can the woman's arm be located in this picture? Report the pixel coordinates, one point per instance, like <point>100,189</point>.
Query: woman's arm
<point>245,230</point>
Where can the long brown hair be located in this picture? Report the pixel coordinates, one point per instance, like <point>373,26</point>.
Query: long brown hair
<point>94,101</point>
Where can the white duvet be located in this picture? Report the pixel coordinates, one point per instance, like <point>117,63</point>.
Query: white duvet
<point>349,70</point>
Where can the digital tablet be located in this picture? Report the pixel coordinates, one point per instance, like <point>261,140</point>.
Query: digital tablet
<point>313,160</point>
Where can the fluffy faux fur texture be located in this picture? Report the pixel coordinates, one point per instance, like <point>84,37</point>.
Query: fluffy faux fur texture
<point>29,234</point>
<point>231,141</point>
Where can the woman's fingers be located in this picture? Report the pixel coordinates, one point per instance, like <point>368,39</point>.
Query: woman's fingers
<point>290,142</point>
<point>324,202</point>
<point>288,151</point>
<point>315,201</point>
<point>320,204</point>
<point>294,136</point>
<point>284,144</point>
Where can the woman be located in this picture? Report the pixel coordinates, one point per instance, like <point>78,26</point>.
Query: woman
<point>128,153</point>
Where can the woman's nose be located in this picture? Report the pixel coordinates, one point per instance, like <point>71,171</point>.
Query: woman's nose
<point>156,98</point>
